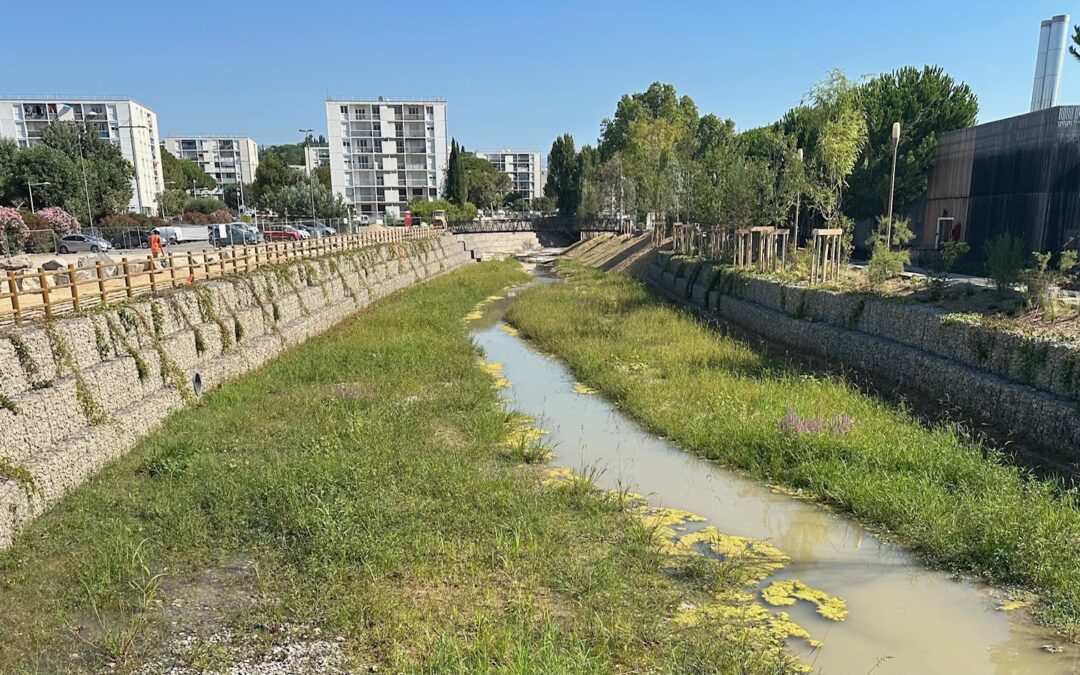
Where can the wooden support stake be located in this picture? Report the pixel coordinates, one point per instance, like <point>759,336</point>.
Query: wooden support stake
<point>45,299</point>
<point>13,288</point>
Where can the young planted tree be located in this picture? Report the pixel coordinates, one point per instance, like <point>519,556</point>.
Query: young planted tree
<point>832,132</point>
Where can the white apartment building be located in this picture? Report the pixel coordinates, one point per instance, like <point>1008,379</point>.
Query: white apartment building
<point>227,159</point>
<point>315,156</point>
<point>129,125</point>
<point>386,153</point>
<point>523,167</point>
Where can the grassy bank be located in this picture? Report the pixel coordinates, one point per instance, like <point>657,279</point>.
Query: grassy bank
<point>934,489</point>
<point>351,499</point>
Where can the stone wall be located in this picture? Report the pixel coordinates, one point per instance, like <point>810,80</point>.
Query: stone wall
<point>82,390</point>
<point>498,245</point>
<point>1027,385</point>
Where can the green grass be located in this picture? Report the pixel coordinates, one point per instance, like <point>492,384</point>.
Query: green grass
<point>949,499</point>
<point>362,477</point>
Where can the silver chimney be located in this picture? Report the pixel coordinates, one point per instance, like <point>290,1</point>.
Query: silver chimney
<point>1053,34</point>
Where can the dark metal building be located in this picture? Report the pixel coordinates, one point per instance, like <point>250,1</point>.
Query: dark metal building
<point>1019,175</point>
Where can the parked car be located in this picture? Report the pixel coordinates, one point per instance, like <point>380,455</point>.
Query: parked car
<point>282,233</point>
<point>131,239</point>
<point>235,234</point>
<point>317,230</point>
<point>75,243</point>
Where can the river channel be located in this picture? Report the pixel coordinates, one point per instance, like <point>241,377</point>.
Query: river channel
<point>904,618</point>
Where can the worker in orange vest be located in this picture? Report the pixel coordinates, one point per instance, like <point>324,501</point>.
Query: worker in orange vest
<point>155,243</point>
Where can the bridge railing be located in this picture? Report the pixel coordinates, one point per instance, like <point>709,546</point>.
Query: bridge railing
<point>547,224</point>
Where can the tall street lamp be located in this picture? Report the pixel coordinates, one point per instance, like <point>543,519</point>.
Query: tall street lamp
<point>131,131</point>
<point>892,183</point>
<point>82,160</point>
<point>798,201</point>
<point>30,186</point>
<point>307,136</point>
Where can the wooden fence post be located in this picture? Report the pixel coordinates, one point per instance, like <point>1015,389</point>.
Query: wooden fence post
<point>127,275</point>
<point>13,288</point>
<point>45,299</point>
<point>101,283</point>
<point>73,284</point>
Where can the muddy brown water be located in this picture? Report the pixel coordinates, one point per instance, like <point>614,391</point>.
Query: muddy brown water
<point>904,618</point>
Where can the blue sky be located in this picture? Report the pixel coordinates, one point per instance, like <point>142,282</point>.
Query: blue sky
<point>515,73</point>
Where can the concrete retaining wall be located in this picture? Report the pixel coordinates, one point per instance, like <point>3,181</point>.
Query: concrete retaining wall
<point>1026,384</point>
<point>82,390</point>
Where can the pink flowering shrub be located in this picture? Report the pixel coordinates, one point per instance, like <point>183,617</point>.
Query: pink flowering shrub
<point>61,222</point>
<point>13,229</point>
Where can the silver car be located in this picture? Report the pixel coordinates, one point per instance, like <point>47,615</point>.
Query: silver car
<point>78,243</point>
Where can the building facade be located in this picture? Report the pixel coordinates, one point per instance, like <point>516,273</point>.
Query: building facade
<point>1019,175</point>
<point>386,153</point>
<point>315,156</point>
<point>227,159</point>
<point>125,123</point>
<point>523,167</point>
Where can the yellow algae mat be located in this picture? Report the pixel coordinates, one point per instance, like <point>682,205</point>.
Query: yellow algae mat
<point>751,561</point>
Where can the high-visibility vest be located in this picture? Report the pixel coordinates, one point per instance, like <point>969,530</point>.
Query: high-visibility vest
<point>155,242</point>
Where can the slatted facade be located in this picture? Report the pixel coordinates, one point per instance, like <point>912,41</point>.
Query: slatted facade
<point>1019,175</point>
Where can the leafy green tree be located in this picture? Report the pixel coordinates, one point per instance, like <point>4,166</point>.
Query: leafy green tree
<point>108,175</point>
<point>271,175</point>
<point>659,101</point>
<point>295,199</point>
<point>927,103</point>
<point>40,164</point>
<point>9,150</point>
<point>203,205</point>
<point>323,174</point>
<point>654,165</point>
<point>181,174</point>
<point>832,131</point>
<point>172,201</point>
<point>564,177</point>
<point>289,154</point>
<point>486,186</point>
<point>425,209</point>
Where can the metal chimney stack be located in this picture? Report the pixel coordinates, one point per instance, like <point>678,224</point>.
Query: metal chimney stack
<point>1053,34</point>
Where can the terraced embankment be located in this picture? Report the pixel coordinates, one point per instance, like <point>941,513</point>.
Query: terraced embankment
<point>81,390</point>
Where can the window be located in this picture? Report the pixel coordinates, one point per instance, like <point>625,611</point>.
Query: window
<point>345,111</point>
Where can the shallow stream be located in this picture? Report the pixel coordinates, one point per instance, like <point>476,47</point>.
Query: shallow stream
<point>904,618</point>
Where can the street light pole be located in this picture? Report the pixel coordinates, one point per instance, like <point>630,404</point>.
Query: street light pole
<point>131,132</point>
<point>892,183</point>
<point>307,135</point>
<point>30,187</point>
<point>86,185</point>
<point>798,202</point>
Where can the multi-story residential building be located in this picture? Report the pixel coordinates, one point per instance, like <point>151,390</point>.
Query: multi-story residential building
<point>523,167</point>
<point>129,125</point>
<point>385,153</point>
<point>315,156</point>
<point>227,159</point>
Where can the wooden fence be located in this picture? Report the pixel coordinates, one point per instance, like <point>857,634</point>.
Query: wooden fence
<point>27,295</point>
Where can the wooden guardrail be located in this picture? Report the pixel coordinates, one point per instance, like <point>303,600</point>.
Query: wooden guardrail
<point>28,295</point>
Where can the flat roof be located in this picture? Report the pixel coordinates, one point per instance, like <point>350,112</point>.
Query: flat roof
<point>382,99</point>
<point>52,98</point>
